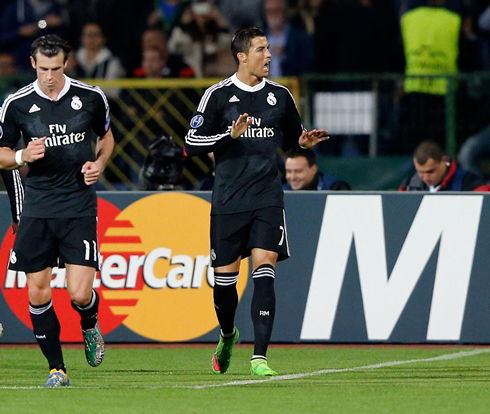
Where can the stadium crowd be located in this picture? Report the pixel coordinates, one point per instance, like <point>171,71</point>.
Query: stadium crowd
<point>331,35</point>
<point>190,39</point>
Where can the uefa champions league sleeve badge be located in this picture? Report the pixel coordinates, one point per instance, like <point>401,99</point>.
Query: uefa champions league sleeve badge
<point>197,121</point>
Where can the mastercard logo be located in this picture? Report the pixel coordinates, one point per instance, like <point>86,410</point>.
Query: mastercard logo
<point>155,277</point>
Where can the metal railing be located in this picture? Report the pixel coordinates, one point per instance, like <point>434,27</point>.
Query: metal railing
<point>142,110</point>
<point>371,110</point>
<point>381,111</point>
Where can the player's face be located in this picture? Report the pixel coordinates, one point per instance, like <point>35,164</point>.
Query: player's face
<point>432,172</point>
<point>259,58</point>
<point>298,173</point>
<point>49,71</point>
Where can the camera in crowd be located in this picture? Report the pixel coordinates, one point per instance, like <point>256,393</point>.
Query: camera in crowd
<point>163,165</point>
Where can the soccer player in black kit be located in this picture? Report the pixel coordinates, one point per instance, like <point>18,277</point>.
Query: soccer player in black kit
<point>243,120</point>
<point>57,117</point>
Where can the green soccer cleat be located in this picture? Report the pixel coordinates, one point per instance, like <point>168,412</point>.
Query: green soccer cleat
<point>57,378</point>
<point>260,368</point>
<point>94,346</point>
<point>222,355</point>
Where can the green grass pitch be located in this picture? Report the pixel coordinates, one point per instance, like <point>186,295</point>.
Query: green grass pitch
<point>323,379</point>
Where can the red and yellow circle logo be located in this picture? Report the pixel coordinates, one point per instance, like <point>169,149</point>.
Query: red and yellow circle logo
<point>155,277</point>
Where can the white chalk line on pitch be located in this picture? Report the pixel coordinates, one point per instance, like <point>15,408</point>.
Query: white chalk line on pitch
<point>444,357</point>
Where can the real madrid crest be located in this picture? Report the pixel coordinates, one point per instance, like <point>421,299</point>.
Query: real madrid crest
<point>271,99</point>
<point>76,103</point>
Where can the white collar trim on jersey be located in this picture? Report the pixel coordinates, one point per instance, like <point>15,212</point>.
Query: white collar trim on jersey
<point>247,88</point>
<point>62,93</point>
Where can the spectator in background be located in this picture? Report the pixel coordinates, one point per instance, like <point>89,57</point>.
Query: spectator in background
<point>437,172</point>
<point>154,64</point>
<point>475,152</point>
<point>154,38</point>
<point>25,20</point>
<point>302,174</point>
<point>7,65</point>
<point>157,61</point>
<point>167,14</point>
<point>293,49</point>
<point>431,47</point>
<point>242,13</point>
<point>203,38</point>
<point>305,13</point>
<point>467,9</point>
<point>94,59</point>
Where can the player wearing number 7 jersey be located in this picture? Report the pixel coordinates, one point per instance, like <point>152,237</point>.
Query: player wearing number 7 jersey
<point>58,118</point>
<point>243,120</point>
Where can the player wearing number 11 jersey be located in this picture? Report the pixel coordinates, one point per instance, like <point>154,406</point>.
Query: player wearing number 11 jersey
<point>58,118</point>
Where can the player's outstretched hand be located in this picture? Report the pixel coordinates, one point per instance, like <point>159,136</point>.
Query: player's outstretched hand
<point>239,126</point>
<point>309,139</point>
<point>35,150</point>
<point>91,172</point>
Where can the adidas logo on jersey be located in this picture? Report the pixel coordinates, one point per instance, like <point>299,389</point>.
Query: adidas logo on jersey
<point>34,108</point>
<point>234,98</point>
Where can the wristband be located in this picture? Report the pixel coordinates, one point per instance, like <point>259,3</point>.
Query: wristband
<point>18,158</point>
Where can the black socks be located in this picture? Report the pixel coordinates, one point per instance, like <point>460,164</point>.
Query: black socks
<point>263,308</point>
<point>225,300</point>
<point>88,313</point>
<point>47,332</point>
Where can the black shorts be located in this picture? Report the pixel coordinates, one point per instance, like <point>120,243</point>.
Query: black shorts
<point>235,235</point>
<point>41,243</point>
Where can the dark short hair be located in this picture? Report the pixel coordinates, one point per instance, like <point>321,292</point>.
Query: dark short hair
<point>242,40</point>
<point>93,23</point>
<point>308,154</point>
<point>426,150</point>
<point>50,45</point>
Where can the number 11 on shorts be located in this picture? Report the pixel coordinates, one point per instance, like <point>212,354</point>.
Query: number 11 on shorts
<point>87,249</point>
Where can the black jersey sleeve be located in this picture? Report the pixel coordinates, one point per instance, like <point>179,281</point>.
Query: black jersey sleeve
<point>291,126</point>
<point>15,191</point>
<point>206,132</point>
<point>9,130</point>
<point>101,120</point>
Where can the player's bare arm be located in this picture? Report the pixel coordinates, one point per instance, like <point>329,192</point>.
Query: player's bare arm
<point>239,126</point>
<point>35,150</point>
<point>309,139</point>
<point>92,169</point>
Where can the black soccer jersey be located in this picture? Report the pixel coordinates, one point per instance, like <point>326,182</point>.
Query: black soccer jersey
<point>55,185</point>
<point>246,167</point>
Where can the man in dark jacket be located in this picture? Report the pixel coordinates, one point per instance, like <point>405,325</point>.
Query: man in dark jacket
<point>437,172</point>
<point>302,174</point>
